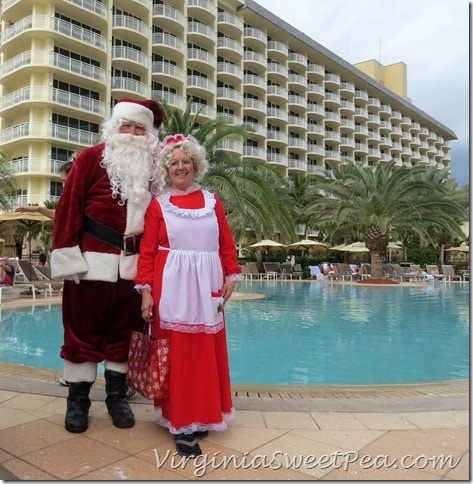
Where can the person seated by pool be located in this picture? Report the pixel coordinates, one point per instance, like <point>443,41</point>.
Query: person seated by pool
<point>420,273</point>
<point>6,272</point>
<point>330,269</point>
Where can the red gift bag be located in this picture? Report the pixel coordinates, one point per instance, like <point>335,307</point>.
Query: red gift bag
<point>148,365</point>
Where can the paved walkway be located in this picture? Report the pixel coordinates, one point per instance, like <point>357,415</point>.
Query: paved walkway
<point>388,432</point>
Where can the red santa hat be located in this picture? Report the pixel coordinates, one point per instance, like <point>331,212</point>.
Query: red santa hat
<point>148,112</point>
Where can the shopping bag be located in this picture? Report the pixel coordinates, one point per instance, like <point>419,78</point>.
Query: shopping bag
<point>148,365</point>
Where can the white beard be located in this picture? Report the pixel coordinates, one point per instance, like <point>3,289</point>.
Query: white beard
<point>130,162</point>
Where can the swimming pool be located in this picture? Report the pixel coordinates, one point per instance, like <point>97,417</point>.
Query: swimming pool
<point>307,334</point>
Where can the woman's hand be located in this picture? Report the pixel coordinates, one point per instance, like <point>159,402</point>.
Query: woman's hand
<point>147,305</point>
<point>227,290</point>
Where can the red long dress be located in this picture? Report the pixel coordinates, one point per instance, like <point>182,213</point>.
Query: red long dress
<point>200,394</point>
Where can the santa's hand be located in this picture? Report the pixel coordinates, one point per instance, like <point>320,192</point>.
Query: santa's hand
<point>74,278</point>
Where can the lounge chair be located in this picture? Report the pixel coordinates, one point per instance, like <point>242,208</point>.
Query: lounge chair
<point>400,272</point>
<point>390,273</point>
<point>254,272</point>
<point>272,270</point>
<point>434,271</point>
<point>56,284</point>
<point>344,271</point>
<point>449,272</point>
<point>297,271</point>
<point>286,270</point>
<point>316,272</point>
<point>32,279</point>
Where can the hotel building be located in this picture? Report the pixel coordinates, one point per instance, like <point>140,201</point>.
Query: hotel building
<point>64,64</point>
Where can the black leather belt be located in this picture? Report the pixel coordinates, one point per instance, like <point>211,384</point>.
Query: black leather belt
<point>130,244</point>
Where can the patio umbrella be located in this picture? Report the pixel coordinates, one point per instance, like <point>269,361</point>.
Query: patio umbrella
<point>267,244</point>
<point>355,247</point>
<point>308,244</point>
<point>461,248</point>
<point>24,218</point>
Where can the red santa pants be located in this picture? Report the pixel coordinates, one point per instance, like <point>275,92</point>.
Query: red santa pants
<point>98,319</point>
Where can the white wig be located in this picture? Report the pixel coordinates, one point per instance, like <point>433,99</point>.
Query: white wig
<point>188,144</point>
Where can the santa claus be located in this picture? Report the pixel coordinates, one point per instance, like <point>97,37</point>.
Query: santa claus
<point>97,228</point>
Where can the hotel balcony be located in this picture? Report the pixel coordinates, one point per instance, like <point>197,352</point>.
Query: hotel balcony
<point>315,91</point>
<point>233,146</point>
<point>297,81</point>
<point>258,83</point>
<point>168,18</point>
<point>54,26</point>
<point>298,60</point>
<point>228,72</point>
<point>32,61</point>
<point>201,34</point>
<point>331,155</point>
<point>314,149</point>
<point>297,165</point>
<point>129,59</point>
<point>229,96</point>
<point>277,71</point>
<point>30,132</point>
<point>201,60</point>
<point>297,122</point>
<point>297,103</point>
<point>315,72</point>
<point>361,97</point>
<point>277,114</point>
<point>317,110</point>
<point>174,100</point>
<point>133,29</point>
<point>49,95</point>
<point>255,61</point>
<point>255,38</point>
<point>203,9</point>
<point>385,109</point>
<point>200,85</point>
<point>230,24</point>
<point>276,137</point>
<point>277,159</point>
<point>204,111</point>
<point>126,87</point>
<point>276,94</point>
<point>170,72</point>
<point>374,103</point>
<point>332,81</point>
<point>332,100</point>
<point>277,51</point>
<point>254,152</point>
<point>254,107</point>
<point>169,45</point>
<point>230,49</point>
<point>316,130</point>
<point>257,129</point>
<point>347,107</point>
<point>347,89</point>
<point>298,144</point>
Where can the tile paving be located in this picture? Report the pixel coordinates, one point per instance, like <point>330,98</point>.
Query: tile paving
<point>388,432</point>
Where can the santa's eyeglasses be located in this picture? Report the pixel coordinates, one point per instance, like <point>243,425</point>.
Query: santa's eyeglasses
<point>127,125</point>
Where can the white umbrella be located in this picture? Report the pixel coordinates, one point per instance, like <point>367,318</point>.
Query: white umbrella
<point>461,248</point>
<point>308,244</point>
<point>267,244</point>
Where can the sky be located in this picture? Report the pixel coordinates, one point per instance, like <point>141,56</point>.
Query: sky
<point>430,36</point>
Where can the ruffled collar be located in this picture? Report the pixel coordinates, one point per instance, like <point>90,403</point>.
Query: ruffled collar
<point>193,187</point>
<point>209,202</point>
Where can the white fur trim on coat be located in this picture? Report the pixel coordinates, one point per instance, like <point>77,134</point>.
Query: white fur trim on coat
<point>67,261</point>
<point>135,215</point>
<point>79,372</point>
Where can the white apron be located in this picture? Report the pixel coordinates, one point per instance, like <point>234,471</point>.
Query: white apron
<point>193,276</point>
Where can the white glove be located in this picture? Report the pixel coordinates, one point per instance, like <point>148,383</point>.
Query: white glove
<point>74,278</point>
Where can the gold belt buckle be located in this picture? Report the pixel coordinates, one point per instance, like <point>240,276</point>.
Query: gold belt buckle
<point>129,244</point>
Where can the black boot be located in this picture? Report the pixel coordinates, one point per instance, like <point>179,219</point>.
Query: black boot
<point>118,408</point>
<point>78,404</point>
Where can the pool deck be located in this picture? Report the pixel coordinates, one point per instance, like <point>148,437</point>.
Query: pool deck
<point>383,432</point>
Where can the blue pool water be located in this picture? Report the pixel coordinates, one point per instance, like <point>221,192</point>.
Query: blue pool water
<point>307,334</point>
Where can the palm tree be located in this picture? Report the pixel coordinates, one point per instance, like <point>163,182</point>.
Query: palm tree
<point>378,202</point>
<point>7,184</point>
<point>253,193</point>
